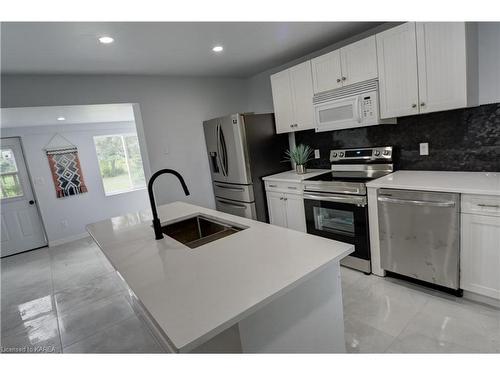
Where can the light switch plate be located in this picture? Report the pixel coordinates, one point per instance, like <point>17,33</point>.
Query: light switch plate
<point>424,149</point>
<point>316,154</point>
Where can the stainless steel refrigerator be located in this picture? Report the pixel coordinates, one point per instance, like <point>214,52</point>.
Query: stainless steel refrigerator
<point>243,148</point>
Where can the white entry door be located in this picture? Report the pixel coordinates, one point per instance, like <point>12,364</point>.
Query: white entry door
<point>21,224</point>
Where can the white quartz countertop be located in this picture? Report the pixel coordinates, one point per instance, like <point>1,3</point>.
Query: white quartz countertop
<point>292,176</point>
<point>194,294</point>
<point>484,183</point>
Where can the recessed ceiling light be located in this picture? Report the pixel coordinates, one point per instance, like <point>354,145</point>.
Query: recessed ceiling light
<point>106,39</point>
<point>218,49</point>
<point>60,118</point>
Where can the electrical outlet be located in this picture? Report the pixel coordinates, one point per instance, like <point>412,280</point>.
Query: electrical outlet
<point>316,154</point>
<point>424,149</point>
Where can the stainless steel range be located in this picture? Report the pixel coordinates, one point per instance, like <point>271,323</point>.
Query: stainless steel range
<point>336,204</point>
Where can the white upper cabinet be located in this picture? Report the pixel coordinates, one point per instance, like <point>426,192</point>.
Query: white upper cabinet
<point>327,72</point>
<point>443,78</point>
<point>292,98</point>
<point>359,61</point>
<point>397,70</point>
<point>353,63</point>
<point>427,67</point>
<point>282,100</point>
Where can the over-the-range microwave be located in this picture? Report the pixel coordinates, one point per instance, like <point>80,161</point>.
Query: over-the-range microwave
<point>348,107</point>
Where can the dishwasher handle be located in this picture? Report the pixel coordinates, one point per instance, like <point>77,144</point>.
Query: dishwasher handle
<point>416,202</point>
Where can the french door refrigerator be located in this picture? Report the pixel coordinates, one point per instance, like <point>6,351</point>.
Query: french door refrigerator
<point>243,148</point>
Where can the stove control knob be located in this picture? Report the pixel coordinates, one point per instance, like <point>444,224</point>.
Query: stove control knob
<point>377,153</point>
<point>386,152</point>
<point>341,154</point>
<point>334,154</point>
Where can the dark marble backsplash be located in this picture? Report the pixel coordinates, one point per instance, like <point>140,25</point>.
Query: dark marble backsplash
<point>459,140</point>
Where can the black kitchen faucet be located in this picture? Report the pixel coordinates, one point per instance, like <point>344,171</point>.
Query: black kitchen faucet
<point>156,220</point>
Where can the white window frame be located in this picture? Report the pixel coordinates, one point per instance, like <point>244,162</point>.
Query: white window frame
<point>122,136</point>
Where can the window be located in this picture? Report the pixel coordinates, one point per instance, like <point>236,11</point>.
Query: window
<point>120,163</point>
<point>9,175</point>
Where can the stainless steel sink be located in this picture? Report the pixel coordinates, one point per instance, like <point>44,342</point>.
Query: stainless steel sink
<point>199,230</point>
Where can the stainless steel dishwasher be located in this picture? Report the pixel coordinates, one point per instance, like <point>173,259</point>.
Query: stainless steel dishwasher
<point>419,235</point>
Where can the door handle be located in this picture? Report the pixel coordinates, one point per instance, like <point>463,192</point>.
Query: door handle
<point>31,202</point>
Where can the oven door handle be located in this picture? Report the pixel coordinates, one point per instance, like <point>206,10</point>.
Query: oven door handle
<point>359,201</point>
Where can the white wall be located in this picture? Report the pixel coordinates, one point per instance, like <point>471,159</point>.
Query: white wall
<point>82,209</point>
<point>489,62</point>
<point>172,108</point>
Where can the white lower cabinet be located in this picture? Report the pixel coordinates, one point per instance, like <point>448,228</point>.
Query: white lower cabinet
<point>480,246</point>
<point>276,207</point>
<point>286,210</point>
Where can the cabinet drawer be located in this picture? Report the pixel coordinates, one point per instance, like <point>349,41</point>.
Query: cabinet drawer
<point>481,204</point>
<point>284,187</point>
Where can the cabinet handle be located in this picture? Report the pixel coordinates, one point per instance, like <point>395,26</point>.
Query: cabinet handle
<point>489,205</point>
<point>338,80</point>
<point>344,78</point>
<point>281,198</point>
<point>414,105</point>
<point>292,187</point>
<point>422,104</point>
<point>273,185</point>
<point>285,199</point>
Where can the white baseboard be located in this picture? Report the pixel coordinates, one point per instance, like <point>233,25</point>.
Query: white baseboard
<point>482,299</point>
<point>62,241</point>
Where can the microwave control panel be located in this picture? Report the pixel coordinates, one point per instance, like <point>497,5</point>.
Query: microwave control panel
<point>367,104</point>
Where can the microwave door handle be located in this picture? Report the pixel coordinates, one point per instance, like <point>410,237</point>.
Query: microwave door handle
<point>358,108</point>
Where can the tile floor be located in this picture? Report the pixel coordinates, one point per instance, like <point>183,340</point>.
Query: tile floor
<point>68,299</point>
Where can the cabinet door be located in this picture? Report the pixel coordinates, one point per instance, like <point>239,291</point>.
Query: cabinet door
<point>359,61</point>
<point>295,214</point>
<point>326,72</point>
<point>282,101</point>
<point>302,94</point>
<point>397,71</point>
<point>480,255</point>
<point>276,207</point>
<point>442,73</point>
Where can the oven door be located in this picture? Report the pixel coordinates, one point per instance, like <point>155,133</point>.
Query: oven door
<point>339,217</point>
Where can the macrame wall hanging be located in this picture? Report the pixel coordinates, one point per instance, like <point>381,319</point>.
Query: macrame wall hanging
<point>65,167</point>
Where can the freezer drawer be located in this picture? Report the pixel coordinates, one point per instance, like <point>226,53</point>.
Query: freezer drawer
<point>419,235</point>
<point>234,192</point>
<point>242,209</point>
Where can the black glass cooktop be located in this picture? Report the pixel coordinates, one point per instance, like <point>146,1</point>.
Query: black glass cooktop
<point>331,176</point>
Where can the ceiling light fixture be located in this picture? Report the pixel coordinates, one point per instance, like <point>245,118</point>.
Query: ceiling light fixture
<point>60,118</point>
<point>218,49</point>
<point>106,40</point>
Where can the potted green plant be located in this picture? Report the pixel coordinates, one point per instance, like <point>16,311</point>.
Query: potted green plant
<point>300,155</point>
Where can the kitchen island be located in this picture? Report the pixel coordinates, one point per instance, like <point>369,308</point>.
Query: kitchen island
<point>261,289</point>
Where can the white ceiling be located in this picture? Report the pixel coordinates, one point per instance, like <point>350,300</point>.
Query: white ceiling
<point>170,48</point>
<point>73,114</point>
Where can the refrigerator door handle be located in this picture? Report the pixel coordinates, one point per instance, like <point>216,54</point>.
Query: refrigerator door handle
<point>224,150</point>
<point>220,149</point>
<point>217,137</point>
<point>231,204</point>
